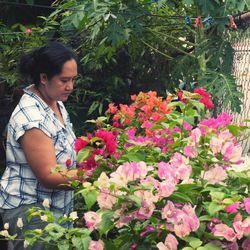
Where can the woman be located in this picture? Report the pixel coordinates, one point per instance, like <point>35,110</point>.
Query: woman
<point>40,136</point>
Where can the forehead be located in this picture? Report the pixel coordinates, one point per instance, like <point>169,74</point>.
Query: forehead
<point>69,68</point>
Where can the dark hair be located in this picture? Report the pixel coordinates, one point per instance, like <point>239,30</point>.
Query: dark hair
<point>48,59</point>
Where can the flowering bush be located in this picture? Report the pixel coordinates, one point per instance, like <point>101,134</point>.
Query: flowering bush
<point>165,175</point>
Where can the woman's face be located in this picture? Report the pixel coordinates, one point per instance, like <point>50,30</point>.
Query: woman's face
<point>59,87</point>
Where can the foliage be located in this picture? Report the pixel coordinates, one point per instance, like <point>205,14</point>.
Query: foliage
<point>137,45</point>
<point>158,174</point>
<point>126,43</point>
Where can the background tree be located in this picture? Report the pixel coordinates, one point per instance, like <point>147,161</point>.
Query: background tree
<point>133,45</point>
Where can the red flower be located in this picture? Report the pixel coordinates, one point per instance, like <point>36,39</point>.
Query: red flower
<point>180,95</point>
<point>28,30</point>
<point>207,102</point>
<point>79,144</point>
<point>202,92</point>
<point>109,140</point>
<point>68,163</point>
<point>205,97</point>
<point>112,108</point>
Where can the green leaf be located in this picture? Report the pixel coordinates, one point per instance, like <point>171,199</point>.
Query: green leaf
<point>93,107</point>
<point>180,197</point>
<point>95,2</point>
<point>195,243</point>
<point>214,208</point>
<point>90,197</point>
<point>188,2</point>
<point>81,242</point>
<point>219,196</point>
<point>84,154</point>
<point>205,218</point>
<point>211,246</point>
<point>134,198</point>
<point>107,222</point>
<point>55,231</point>
<point>63,245</point>
<point>138,156</point>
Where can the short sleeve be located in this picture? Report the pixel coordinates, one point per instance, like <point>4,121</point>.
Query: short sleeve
<point>28,115</point>
<point>22,128</point>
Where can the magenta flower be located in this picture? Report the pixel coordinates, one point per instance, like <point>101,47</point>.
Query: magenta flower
<point>247,205</point>
<point>233,208</point>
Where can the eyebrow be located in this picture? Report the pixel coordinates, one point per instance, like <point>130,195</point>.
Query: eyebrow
<point>68,77</point>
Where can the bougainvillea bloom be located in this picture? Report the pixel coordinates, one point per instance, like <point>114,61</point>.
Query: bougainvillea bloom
<point>205,97</point>
<point>79,144</point>
<point>68,163</point>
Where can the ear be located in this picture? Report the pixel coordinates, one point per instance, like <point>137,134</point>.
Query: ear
<point>43,78</point>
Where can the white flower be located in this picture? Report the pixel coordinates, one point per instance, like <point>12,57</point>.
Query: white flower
<point>19,222</point>
<point>244,166</point>
<point>46,203</point>
<point>44,217</point>
<point>6,226</point>
<point>73,215</point>
<point>25,244</point>
<point>4,233</point>
<point>65,216</point>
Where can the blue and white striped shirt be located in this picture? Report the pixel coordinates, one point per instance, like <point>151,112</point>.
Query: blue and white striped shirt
<point>18,184</point>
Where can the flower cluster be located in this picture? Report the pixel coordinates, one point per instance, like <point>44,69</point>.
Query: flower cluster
<point>170,163</point>
<point>162,173</point>
<point>102,144</point>
<point>146,108</point>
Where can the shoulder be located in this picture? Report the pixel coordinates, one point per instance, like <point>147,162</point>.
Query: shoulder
<point>29,113</point>
<point>29,109</point>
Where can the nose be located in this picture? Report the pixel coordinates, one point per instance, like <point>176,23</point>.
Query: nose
<point>70,85</point>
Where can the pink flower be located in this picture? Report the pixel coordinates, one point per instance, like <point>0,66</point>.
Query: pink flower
<point>190,151</point>
<point>231,152</point>
<point>105,199</point>
<point>147,205</point>
<point>133,246</point>
<point>215,175</point>
<point>28,30</point>
<point>166,188</point>
<point>247,205</point>
<point>166,171</point>
<point>129,172</point>
<point>222,120</point>
<point>146,230</point>
<point>233,208</point>
<point>195,135</point>
<point>222,230</point>
<point>92,220</point>
<point>181,221</point>
<point>147,124</point>
<point>96,245</point>
<point>240,229</point>
<point>216,145</point>
<point>170,243</point>
<point>187,126</point>
<point>246,244</point>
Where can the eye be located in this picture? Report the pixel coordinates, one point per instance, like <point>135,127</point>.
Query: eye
<point>65,80</point>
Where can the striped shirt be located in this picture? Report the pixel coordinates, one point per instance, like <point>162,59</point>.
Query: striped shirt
<point>18,184</point>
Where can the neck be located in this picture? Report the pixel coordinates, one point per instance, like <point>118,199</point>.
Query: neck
<point>42,95</point>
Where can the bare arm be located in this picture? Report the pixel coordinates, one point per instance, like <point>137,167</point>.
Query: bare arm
<point>39,151</point>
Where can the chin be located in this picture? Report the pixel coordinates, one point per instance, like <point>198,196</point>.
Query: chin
<point>64,99</point>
